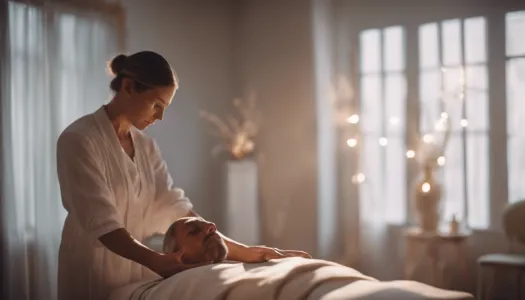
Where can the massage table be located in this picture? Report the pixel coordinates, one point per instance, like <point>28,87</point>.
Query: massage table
<point>286,279</point>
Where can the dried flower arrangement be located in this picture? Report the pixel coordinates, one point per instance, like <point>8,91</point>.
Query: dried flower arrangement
<point>236,131</point>
<point>432,147</point>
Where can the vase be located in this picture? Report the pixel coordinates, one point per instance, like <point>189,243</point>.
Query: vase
<point>426,198</point>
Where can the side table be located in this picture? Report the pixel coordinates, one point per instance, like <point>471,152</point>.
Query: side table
<point>432,245</point>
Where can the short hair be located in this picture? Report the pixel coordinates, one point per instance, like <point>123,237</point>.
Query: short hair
<point>147,69</point>
<point>170,242</point>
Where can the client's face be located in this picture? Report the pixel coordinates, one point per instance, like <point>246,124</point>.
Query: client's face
<point>198,240</point>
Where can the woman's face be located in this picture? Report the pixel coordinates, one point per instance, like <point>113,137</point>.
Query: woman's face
<point>145,107</point>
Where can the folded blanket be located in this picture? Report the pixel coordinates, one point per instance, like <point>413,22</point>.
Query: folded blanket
<point>286,279</point>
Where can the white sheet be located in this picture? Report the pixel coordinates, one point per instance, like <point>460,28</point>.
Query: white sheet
<point>286,279</point>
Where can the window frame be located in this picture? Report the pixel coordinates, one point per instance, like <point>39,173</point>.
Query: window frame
<point>383,73</point>
<point>509,58</point>
<point>495,40</point>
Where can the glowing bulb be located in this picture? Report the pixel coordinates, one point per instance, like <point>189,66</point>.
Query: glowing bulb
<point>353,119</point>
<point>440,125</point>
<point>444,115</point>
<point>383,141</point>
<point>351,143</point>
<point>464,123</point>
<point>441,160</point>
<point>428,138</point>
<point>358,178</point>
<point>411,153</point>
<point>425,187</point>
<point>394,120</point>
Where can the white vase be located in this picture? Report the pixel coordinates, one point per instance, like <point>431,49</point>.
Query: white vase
<point>242,201</point>
<point>426,198</point>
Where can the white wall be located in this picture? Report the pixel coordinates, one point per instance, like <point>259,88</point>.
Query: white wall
<point>274,55</point>
<point>196,38</point>
<point>222,49</point>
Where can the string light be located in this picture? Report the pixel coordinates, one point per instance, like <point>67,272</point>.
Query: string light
<point>394,121</point>
<point>428,138</point>
<point>351,142</point>
<point>440,125</point>
<point>358,178</point>
<point>353,119</point>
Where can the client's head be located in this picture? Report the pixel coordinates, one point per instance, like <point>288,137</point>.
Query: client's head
<point>196,240</point>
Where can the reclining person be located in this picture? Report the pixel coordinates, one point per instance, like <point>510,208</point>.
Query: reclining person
<point>196,241</point>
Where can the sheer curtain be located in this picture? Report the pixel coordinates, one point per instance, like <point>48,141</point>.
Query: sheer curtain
<point>382,163</point>
<point>56,62</point>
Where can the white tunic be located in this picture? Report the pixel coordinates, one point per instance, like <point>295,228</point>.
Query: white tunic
<point>103,190</point>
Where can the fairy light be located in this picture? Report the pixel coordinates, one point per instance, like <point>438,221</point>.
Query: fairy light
<point>463,122</point>
<point>351,142</point>
<point>411,154</point>
<point>441,160</point>
<point>383,141</point>
<point>425,188</point>
<point>428,138</point>
<point>353,119</point>
<point>358,178</point>
<point>394,121</point>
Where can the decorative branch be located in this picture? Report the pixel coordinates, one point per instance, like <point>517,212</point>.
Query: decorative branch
<point>237,134</point>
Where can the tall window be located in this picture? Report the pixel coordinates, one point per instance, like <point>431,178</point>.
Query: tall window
<point>453,79</point>
<point>515,52</point>
<point>383,121</point>
<point>55,73</point>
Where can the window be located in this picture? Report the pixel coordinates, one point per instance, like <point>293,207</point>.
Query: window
<point>453,79</point>
<point>55,73</point>
<point>383,107</point>
<point>515,53</point>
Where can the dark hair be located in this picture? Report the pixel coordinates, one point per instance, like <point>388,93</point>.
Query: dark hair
<point>147,68</point>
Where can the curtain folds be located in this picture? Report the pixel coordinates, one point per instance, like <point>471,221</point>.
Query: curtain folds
<point>53,71</point>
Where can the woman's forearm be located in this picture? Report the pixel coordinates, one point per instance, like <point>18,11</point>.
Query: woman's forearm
<point>236,250</point>
<point>122,243</point>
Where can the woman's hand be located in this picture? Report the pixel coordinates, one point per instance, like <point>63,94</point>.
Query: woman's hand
<point>167,265</point>
<point>255,254</point>
<point>295,253</point>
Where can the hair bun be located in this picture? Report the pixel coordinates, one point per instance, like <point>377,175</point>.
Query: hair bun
<point>117,64</point>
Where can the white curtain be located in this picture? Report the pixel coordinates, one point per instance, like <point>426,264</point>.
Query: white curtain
<point>56,73</point>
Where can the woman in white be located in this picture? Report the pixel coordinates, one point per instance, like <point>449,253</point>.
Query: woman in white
<point>117,189</point>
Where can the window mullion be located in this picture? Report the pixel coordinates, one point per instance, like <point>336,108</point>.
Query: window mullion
<point>463,129</point>
<point>497,117</point>
<point>412,109</point>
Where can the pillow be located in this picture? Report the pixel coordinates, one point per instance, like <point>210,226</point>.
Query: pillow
<point>155,242</point>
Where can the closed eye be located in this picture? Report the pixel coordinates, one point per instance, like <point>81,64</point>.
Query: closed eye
<point>194,231</point>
